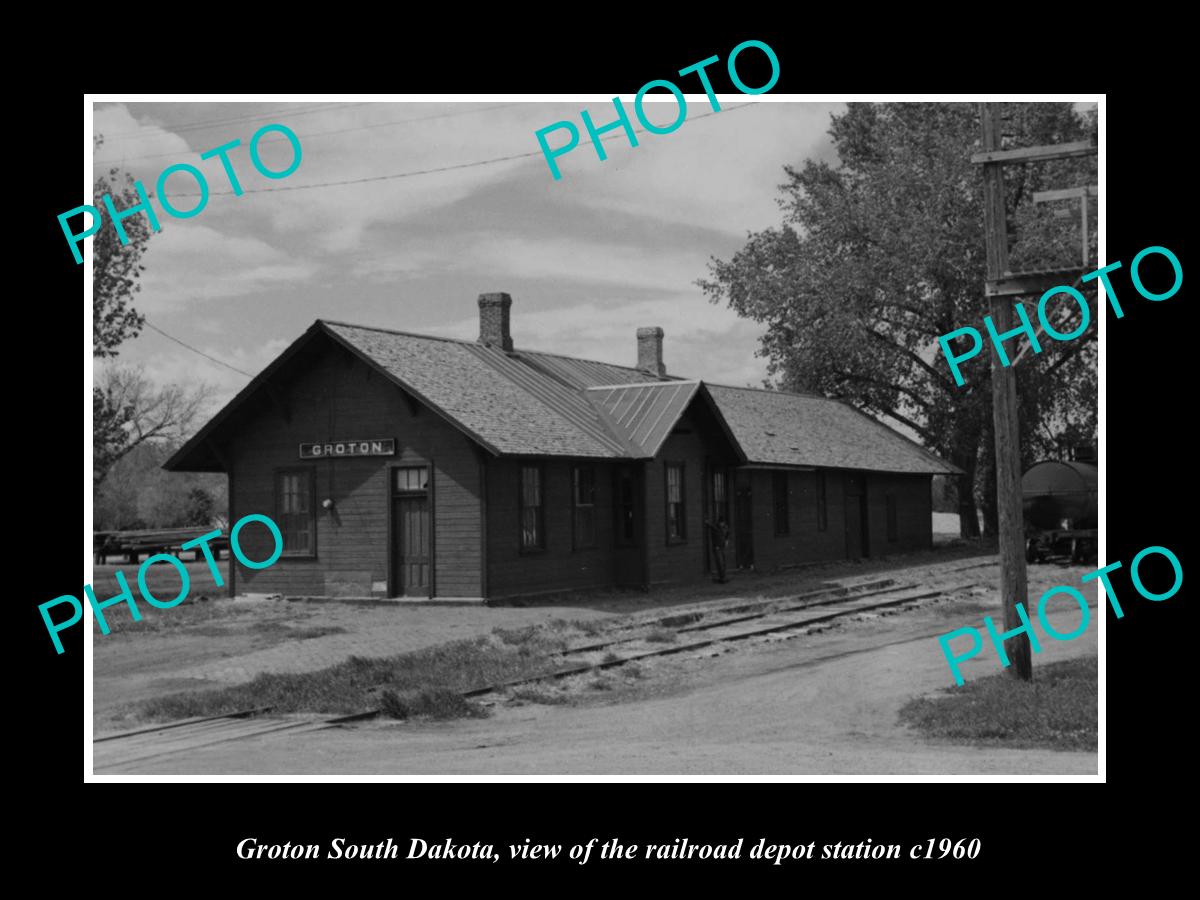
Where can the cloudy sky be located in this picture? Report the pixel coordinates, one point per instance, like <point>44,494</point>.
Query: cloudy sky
<point>612,246</point>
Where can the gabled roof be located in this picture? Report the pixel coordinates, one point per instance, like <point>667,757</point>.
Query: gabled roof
<point>510,408</point>
<point>645,413</point>
<point>779,428</point>
<point>525,403</point>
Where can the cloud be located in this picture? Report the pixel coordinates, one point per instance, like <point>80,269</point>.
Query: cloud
<point>386,139</point>
<point>133,146</point>
<point>188,262</point>
<point>567,259</point>
<point>612,246</point>
<point>722,171</point>
<point>165,362</point>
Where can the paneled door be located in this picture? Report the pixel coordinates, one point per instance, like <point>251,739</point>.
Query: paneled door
<point>411,527</point>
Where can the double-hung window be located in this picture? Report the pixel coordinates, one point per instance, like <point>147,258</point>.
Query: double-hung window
<point>533,520</point>
<point>583,489</point>
<point>779,492</point>
<point>676,504</point>
<point>295,511</point>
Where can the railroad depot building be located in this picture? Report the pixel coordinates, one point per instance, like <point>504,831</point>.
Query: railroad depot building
<point>404,465</point>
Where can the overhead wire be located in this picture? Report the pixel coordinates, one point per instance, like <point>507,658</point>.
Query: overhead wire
<point>170,337</point>
<point>306,136</point>
<point>279,114</point>
<point>484,162</point>
<point>410,174</point>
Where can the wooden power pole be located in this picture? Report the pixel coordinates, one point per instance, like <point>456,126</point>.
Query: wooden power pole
<point>1014,586</point>
<point>1002,286</point>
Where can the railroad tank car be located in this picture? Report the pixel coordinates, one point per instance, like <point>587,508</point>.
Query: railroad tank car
<point>1059,500</point>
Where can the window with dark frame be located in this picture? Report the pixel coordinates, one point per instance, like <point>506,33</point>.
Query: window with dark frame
<point>533,530</point>
<point>583,481</point>
<point>891,517</point>
<point>779,490</point>
<point>822,518</point>
<point>625,508</point>
<point>295,511</point>
<point>720,495</point>
<point>676,507</point>
<point>410,479</point>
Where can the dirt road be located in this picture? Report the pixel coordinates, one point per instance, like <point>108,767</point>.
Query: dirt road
<point>817,704</point>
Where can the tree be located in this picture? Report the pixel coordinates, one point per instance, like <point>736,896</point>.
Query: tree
<point>116,267</point>
<point>198,508</point>
<point>883,252</point>
<point>129,411</point>
<point>139,493</point>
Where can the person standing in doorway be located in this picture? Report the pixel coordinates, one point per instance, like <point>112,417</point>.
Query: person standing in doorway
<point>719,536</point>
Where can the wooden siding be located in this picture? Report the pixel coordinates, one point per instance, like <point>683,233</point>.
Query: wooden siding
<point>557,567</point>
<point>697,442</point>
<point>805,543</point>
<point>331,395</point>
<point>914,512</point>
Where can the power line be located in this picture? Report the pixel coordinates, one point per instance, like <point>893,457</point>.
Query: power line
<point>169,337</point>
<point>270,140</point>
<point>482,162</point>
<point>279,114</point>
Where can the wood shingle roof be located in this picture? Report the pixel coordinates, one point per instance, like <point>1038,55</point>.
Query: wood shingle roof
<point>529,403</point>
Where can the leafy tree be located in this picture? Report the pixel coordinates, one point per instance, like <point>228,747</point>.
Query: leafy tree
<point>198,508</point>
<point>127,410</point>
<point>116,267</point>
<point>139,493</point>
<point>883,252</point>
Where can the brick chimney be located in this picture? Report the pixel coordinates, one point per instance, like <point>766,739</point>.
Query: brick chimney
<point>650,351</point>
<point>493,320</point>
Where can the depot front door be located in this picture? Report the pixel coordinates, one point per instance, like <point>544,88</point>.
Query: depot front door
<point>411,572</point>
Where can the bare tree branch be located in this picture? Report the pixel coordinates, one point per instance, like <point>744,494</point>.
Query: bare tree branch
<point>130,411</point>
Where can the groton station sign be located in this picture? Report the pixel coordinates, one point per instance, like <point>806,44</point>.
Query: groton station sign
<point>376,447</point>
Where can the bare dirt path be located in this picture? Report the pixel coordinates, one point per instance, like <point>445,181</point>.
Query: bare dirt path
<point>818,704</point>
<point>254,638</point>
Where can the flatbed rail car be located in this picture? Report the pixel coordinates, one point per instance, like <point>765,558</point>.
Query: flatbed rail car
<point>1059,500</point>
<point>133,544</point>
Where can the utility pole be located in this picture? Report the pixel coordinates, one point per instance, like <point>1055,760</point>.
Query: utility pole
<point>1014,586</point>
<point>1002,286</point>
<point>1081,194</point>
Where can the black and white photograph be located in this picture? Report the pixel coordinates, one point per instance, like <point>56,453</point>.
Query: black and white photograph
<point>687,435</point>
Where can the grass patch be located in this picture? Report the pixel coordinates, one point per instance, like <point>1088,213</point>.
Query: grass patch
<point>539,695</point>
<point>516,636</point>
<point>433,703</point>
<point>1056,711</point>
<point>294,633</point>
<point>358,684</point>
<point>660,635</point>
<point>532,640</point>
<point>207,613</point>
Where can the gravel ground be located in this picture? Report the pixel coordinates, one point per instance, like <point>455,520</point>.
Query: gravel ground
<point>823,703</point>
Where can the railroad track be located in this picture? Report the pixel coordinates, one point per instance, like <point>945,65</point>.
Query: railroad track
<point>725,629</point>
<point>694,629</point>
